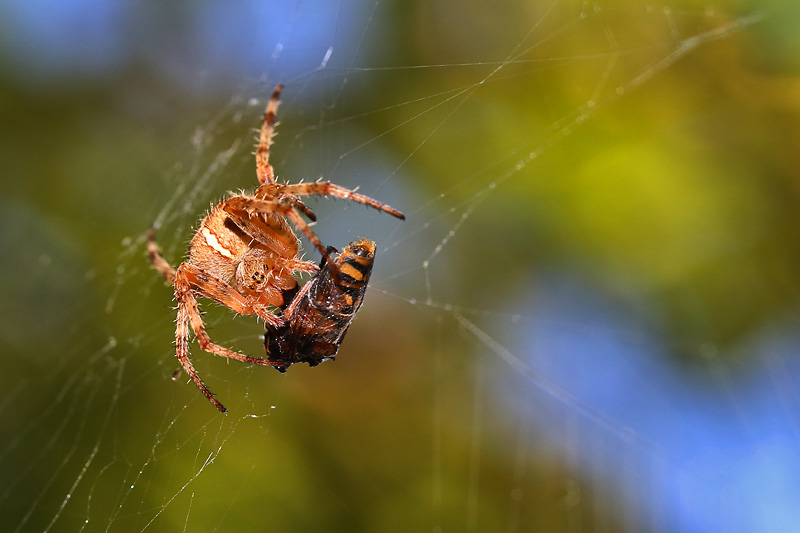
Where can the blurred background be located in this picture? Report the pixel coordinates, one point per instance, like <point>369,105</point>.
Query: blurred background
<point>588,321</point>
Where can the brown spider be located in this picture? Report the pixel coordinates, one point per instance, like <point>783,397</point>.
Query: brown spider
<point>244,254</point>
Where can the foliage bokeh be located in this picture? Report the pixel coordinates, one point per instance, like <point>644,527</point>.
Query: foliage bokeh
<point>676,202</point>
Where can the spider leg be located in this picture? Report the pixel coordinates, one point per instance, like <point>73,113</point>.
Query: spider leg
<point>241,213</point>
<point>251,206</point>
<point>186,305</point>
<point>188,312</point>
<point>300,206</point>
<point>266,174</point>
<point>159,263</point>
<point>215,289</point>
<point>324,188</point>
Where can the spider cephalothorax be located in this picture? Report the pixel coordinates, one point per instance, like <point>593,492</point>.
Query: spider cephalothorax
<point>244,254</point>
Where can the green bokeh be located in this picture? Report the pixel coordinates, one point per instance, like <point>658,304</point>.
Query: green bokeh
<point>681,195</point>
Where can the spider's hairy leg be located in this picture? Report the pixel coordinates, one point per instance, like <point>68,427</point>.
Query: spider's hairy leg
<point>266,174</point>
<point>159,263</point>
<point>303,208</point>
<point>298,265</point>
<point>251,206</point>
<point>188,312</point>
<point>324,188</point>
<point>241,212</point>
<point>214,289</point>
<point>186,306</point>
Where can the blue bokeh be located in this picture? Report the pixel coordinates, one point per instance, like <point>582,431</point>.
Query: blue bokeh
<point>715,447</point>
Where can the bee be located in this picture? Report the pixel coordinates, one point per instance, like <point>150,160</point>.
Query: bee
<point>320,314</point>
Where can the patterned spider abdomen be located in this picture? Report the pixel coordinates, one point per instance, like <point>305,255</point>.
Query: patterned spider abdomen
<point>319,316</point>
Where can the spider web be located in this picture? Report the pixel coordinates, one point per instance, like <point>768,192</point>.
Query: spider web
<point>537,350</point>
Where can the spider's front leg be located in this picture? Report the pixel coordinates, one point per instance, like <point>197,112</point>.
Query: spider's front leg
<point>214,289</point>
<point>244,211</point>
<point>326,188</point>
<point>188,279</point>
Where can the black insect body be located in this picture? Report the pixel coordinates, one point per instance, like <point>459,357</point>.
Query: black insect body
<point>318,317</point>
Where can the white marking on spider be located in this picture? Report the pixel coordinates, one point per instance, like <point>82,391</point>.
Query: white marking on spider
<point>213,242</point>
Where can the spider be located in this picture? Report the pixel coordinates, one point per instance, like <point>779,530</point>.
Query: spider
<point>317,319</point>
<point>244,254</point>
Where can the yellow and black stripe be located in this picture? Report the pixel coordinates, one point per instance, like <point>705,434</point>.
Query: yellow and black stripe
<point>355,264</point>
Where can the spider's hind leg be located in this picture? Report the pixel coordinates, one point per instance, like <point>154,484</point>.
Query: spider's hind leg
<point>186,306</point>
<point>159,263</point>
